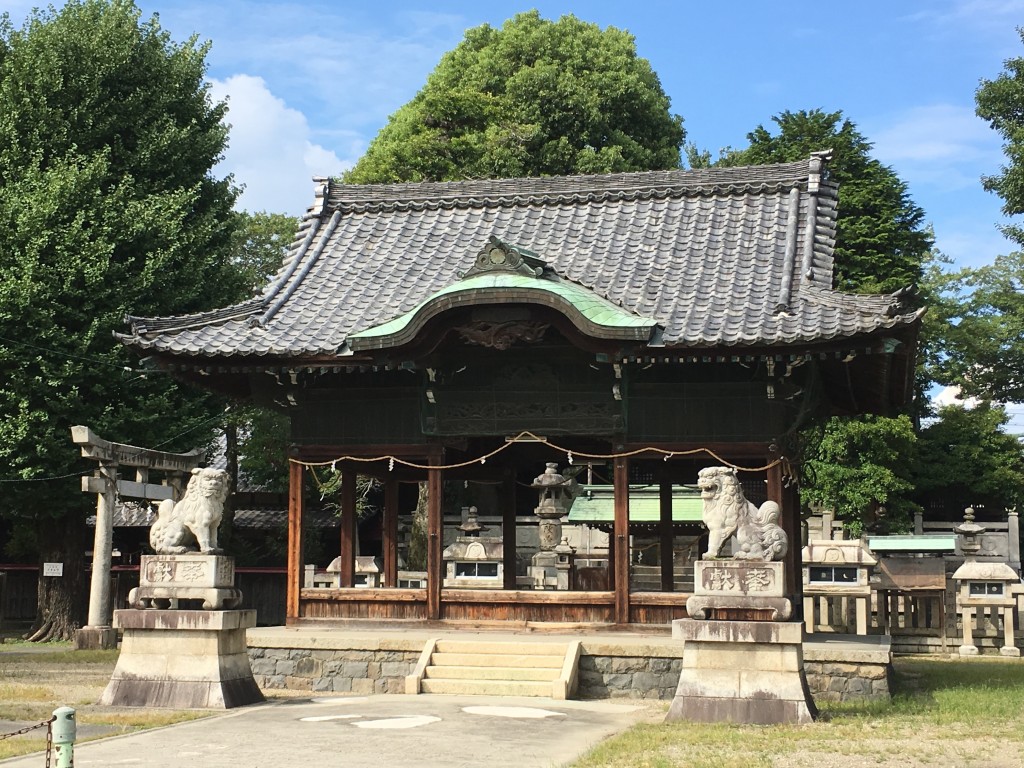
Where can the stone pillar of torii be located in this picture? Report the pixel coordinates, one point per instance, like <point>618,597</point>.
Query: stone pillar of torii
<point>108,487</point>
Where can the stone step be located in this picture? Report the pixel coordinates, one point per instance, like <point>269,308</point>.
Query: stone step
<point>490,673</point>
<point>495,660</point>
<point>496,647</point>
<point>486,687</point>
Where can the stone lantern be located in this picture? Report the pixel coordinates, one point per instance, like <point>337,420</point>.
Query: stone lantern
<point>983,587</point>
<point>551,566</point>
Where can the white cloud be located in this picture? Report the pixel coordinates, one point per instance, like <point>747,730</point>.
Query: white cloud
<point>942,145</point>
<point>270,150</point>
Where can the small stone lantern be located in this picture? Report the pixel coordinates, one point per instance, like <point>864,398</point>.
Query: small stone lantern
<point>983,587</point>
<point>473,561</point>
<point>837,570</point>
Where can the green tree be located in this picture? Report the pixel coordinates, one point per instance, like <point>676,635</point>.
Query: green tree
<point>107,206</point>
<point>966,458</point>
<point>881,240</point>
<point>255,438</point>
<point>982,345</point>
<point>861,468</point>
<point>259,245</point>
<point>979,338</point>
<point>1001,103</point>
<point>533,98</point>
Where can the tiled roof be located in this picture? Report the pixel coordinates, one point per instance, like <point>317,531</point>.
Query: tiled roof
<point>736,257</point>
<point>141,515</point>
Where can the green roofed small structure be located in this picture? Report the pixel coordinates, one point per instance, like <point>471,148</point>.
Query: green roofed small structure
<point>596,505</point>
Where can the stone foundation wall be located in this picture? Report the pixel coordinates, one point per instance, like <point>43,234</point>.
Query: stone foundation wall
<point>327,662</point>
<point>613,677</point>
<point>835,681</point>
<point>325,671</point>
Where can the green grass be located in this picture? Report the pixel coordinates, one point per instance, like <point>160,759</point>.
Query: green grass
<point>964,713</point>
<point>36,679</point>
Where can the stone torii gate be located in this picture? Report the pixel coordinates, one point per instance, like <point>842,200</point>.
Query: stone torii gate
<point>105,483</point>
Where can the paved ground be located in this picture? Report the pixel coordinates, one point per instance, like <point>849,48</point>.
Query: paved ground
<point>424,731</point>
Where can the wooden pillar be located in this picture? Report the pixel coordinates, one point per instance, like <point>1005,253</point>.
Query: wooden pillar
<point>789,521</point>
<point>349,529</point>
<point>507,504</point>
<point>621,535</point>
<point>390,532</point>
<point>665,533</point>
<point>611,558</point>
<point>295,564</point>
<point>435,538</point>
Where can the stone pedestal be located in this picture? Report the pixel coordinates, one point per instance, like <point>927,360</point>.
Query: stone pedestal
<point>739,589</point>
<point>164,580</point>
<point>183,660</point>
<point>96,639</point>
<point>741,672</point>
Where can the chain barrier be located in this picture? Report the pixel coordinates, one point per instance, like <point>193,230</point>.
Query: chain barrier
<point>29,729</point>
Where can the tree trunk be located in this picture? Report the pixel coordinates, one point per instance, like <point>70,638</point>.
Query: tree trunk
<point>417,552</point>
<point>62,599</point>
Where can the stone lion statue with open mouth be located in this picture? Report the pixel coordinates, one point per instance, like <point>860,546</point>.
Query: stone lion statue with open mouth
<point>191,524</point>
<point>727,512</point>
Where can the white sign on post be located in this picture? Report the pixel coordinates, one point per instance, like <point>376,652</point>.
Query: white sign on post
<point>53,569</point>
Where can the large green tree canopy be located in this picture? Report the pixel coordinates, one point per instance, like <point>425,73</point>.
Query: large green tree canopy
<point>533,98</point>
<point>1001,103</point>
<point>881,240</point>
<point>856,466</point>
<point>108,205</point>
<point>981,347</point>
<point>966,458</point>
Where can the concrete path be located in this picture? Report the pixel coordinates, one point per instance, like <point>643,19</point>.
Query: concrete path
<point>426,731</point>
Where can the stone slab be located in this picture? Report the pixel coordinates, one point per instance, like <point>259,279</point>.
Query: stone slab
<point>189,570</point>
<point>198,621</point>
<point>739,577</point>
<point>738,631</point>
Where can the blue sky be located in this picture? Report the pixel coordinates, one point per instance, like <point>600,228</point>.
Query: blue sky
<point>310,84</point>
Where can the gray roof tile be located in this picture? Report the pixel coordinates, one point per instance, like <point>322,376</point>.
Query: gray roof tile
<point>702,252</point>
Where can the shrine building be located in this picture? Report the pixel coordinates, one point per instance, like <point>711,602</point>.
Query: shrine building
<point>629,329</point>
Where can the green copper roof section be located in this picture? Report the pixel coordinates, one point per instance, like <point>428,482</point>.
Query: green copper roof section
<point>935,542</point>
<point>590,313</point>
<point>644,507</point>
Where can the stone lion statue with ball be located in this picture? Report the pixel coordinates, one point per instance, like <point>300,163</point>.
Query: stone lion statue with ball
<point>727,512</point>
<point>191,524</point>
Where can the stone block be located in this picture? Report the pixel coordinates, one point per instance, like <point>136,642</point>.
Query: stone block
<point>96,639</point>
<point>308,667</point>
<point>322,684</point>
<point>354,669</point>
<point>263,666</point>
<point>342,684</point>
<point>646,681</point>
<point>626,664</point>
<point>285,667</point>
<point>362,686</point>
<point>394,669</point>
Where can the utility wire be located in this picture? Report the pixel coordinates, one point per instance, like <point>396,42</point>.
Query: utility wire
<point>95,360</point>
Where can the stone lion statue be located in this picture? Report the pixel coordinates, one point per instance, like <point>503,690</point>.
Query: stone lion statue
<point>191,524</point>
<point>727,512</point>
